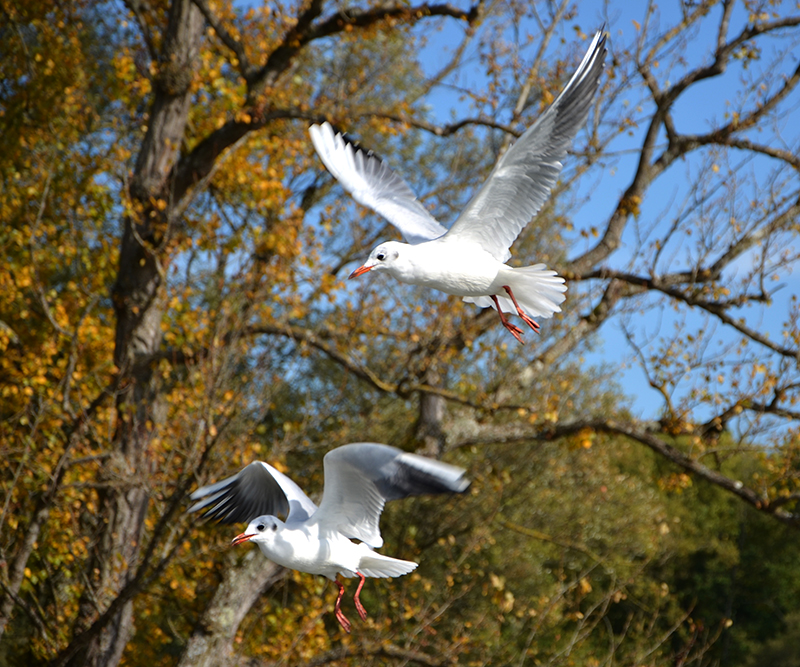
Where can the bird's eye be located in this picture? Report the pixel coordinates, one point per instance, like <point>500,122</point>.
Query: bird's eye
<point>260,527</point>
<point>381,256</point>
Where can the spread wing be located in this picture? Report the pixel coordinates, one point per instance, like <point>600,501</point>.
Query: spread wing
<point>522,179</point>
<point>255,490</point>
<point>373,184</point>
<point>361,477</point>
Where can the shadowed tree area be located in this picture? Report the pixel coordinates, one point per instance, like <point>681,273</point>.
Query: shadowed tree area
<point>174,304</point>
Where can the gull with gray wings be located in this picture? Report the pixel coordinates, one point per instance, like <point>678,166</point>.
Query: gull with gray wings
<point>359,479</point>
<point>469,259</point>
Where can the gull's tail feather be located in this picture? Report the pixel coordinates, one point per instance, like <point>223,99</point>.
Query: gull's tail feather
<point>536,288</point>
<point>379,566</point>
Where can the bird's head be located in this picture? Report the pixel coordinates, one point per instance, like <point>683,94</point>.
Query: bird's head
<point>382,258</point>
<point>260,530</point>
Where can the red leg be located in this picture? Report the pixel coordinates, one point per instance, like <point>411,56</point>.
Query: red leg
<point>531,323</point>
<point>337,608</point>
<point>360,607</point>
<point>513,328</point>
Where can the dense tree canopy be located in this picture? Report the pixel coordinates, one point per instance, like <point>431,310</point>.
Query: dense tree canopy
<point>174,305</point>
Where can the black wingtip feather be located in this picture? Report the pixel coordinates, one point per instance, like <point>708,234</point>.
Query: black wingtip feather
<point>250,493</point>
<point>410,480</point>
<point>356,144</point>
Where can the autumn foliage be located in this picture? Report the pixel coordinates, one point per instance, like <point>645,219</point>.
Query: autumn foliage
<point>174,305</point>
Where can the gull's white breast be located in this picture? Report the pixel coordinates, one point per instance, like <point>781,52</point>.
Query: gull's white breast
<point>456,267</point>
<point>307,549</point>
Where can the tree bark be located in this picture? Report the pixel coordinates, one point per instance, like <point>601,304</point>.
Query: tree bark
<point>211,643</point>
<point>138,297</point>
<point>429,430</point>
<point>430,435</point>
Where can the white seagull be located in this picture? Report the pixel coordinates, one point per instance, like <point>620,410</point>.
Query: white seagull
<point>469,259</point>
<point>359,479</point>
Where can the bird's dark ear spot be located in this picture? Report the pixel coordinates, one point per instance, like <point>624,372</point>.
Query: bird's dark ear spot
<point>274,526</point>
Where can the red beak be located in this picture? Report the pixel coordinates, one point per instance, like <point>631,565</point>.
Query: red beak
<point>241,539</point>
<point>360,271</point>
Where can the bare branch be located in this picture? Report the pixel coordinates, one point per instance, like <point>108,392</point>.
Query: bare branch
<point>715,308</point>
<point>305,32</point>
<point>442,130</point>
<point>720,135</point>
<point>717,424</point>
<point>777,153</point>
<point>781,221</point>
<point>522,98</point>
<point>648,168</point>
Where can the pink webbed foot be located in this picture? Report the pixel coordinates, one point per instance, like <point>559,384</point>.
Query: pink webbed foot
<point>533,324</point>
<point>338,609</point>
<point>513,328</point>
<point>360,607</point>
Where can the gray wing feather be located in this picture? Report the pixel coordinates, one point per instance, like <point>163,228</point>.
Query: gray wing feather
<point>254,491</point>
<point>372,183</point>
<point>522,179</point>
<point>361,477</point>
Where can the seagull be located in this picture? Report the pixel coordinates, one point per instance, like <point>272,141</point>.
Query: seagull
<point>469,260</point>
<point>359,479</point>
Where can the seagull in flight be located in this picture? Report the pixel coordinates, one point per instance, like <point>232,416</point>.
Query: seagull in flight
<point>469,259</point>
<point>359,479</point>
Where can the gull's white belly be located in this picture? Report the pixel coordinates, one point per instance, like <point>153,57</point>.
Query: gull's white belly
<point>302,549</point>
<point>462,269</point>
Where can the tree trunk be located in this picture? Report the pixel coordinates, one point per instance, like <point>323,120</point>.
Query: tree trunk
<point>430,435</point>
<point>429,431</point>
<point>211,643</point>
<point>139,306</point>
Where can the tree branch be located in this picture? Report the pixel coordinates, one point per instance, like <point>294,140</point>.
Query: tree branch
<point>716,308</point>
<point>386,650</point>
<point>721,134</point>
<point>195,166</point>
<point>544,537</point>
<point>305,32</point>
<point>139,8</point>
<point>44,503</point>
<point>656,444</point>
<point>442,130</point>
<point>680,459</point>
<point>747,145</point>
<point>228,40</point>
<point>648,168</point>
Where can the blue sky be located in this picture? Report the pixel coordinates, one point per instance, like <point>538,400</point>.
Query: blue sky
<point>704,105</point>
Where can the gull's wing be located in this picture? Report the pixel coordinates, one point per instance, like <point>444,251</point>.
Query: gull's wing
<point>522,179</point>
<point>361,477</point>
<point>255,490</point>
<point>374,185</point>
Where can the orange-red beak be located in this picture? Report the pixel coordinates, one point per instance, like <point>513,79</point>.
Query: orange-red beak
<point>360,271</point>
<point>241,539</point>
